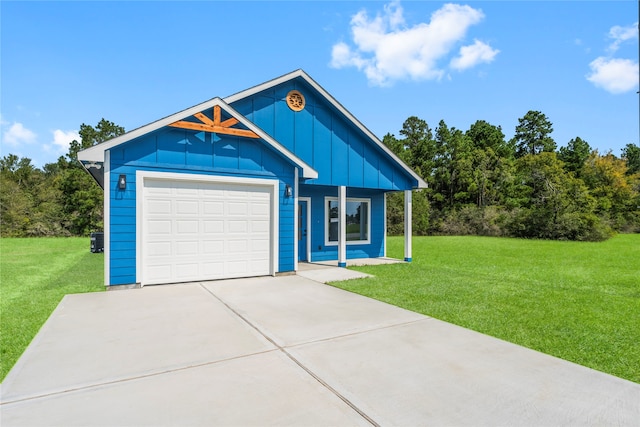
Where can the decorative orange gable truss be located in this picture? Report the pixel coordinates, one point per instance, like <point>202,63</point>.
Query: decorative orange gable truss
<point>215,125</point>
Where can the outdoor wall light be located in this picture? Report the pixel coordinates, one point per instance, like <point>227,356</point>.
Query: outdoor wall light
<point>288,192</point>
<point>122,182</point>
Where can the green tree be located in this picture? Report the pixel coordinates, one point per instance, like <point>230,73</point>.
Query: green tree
<point>532,135</point>
<point>81,198</point>
<point>490,162</point>
<point>29,203</point>
<point>453,173</point>
<point>395,145</point>
<point>419,146</point>
<point>15,207</point>
<point>90,136</point>
<point>615,190</point>
<point>631,154</point>
<point>559,205</point>
<point>574,155</point>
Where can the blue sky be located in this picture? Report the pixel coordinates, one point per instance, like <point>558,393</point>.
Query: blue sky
<point>67,63</point>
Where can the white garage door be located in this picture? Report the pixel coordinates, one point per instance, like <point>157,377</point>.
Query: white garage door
<point>196,231</point>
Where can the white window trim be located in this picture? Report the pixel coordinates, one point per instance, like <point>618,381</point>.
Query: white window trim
<point>326,221</point>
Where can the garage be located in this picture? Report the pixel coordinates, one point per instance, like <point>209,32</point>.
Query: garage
<point>199,227</point>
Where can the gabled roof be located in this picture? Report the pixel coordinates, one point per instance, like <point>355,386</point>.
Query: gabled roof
<point>96,153</point>
<point>301,74</point>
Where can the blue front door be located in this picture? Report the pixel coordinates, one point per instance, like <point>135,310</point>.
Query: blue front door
<point>302,230</point>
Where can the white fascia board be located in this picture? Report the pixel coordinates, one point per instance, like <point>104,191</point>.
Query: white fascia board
<point>96,153</point>
<point>266,85</point>
<point>336,104</point>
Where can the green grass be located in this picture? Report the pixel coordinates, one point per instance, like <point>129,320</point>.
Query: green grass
<point>34,276</point>
<point>577,301</point>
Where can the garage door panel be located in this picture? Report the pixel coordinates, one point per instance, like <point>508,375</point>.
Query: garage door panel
<point>187,207</point>
<point>187,271</point>
<point>213,226</point>
<point>236,268</point>
<point>237,208</point>
<point>259,226</point>
<point>187,248</point>
<point>160,206</point>
<point>213,208</point>
<point>188,226</point>
<point>260,247</point>
<point>257,266</point>
<point>214,271</point>
<point>156,226</point>
<point>238,226</point>
<point>161,248</point>
<point>213,247</point>
<point>187,189</point>
<point>157,187</point>
<point>260,208</point>
<point>157,273</point>
<point>237,246</point>
<point>205,230</point>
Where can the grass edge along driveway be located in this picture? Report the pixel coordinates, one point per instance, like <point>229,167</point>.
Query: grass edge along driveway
<point>35,273</point>
<point>575,300</point>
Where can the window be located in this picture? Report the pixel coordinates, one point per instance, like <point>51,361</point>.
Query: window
<point>358,212</point>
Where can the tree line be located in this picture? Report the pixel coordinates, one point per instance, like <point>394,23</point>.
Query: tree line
<point>483,184</point>
<point>479,183</point>
<point>60,199</point>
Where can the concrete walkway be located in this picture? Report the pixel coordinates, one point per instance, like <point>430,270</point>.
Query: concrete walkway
<point>289,351</point>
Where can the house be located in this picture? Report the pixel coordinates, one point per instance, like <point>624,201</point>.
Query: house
<point>247,185</point>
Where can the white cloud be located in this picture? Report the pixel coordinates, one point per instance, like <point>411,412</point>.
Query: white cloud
<point>387,50</point>
<point>17,135</point>
<point>613,74</point>
<point>621,34</point>
<point>474,54</point>
<point>616,75</point>
<point>61,140</point>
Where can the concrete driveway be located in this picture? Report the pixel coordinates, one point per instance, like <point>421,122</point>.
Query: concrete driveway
<point>289,351</point>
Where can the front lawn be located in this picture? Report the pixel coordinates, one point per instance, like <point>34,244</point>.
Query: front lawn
<point>574,300</point>
<point>34,276</point>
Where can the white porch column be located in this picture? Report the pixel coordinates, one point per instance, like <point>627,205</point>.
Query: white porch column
<point>407,225</point>
<point>342,226</point>
<point>295,219</point>
<point>385,225</point>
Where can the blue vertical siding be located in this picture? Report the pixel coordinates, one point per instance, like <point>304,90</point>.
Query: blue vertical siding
<point>356,163</point>
<point>339,154</point>
<point>321,159</point>
<point>200,149</point>
<point>304,121</point>
<point>284,126</point>
<point>324,138</point>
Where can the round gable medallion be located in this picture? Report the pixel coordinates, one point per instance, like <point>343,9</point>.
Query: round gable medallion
<point>295,100</point>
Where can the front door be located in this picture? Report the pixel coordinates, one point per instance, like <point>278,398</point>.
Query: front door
<point>302,230</point>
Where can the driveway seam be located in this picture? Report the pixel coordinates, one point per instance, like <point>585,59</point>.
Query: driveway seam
<point>132,378</point>
<point>296,361</point>
<point>364,331</point>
